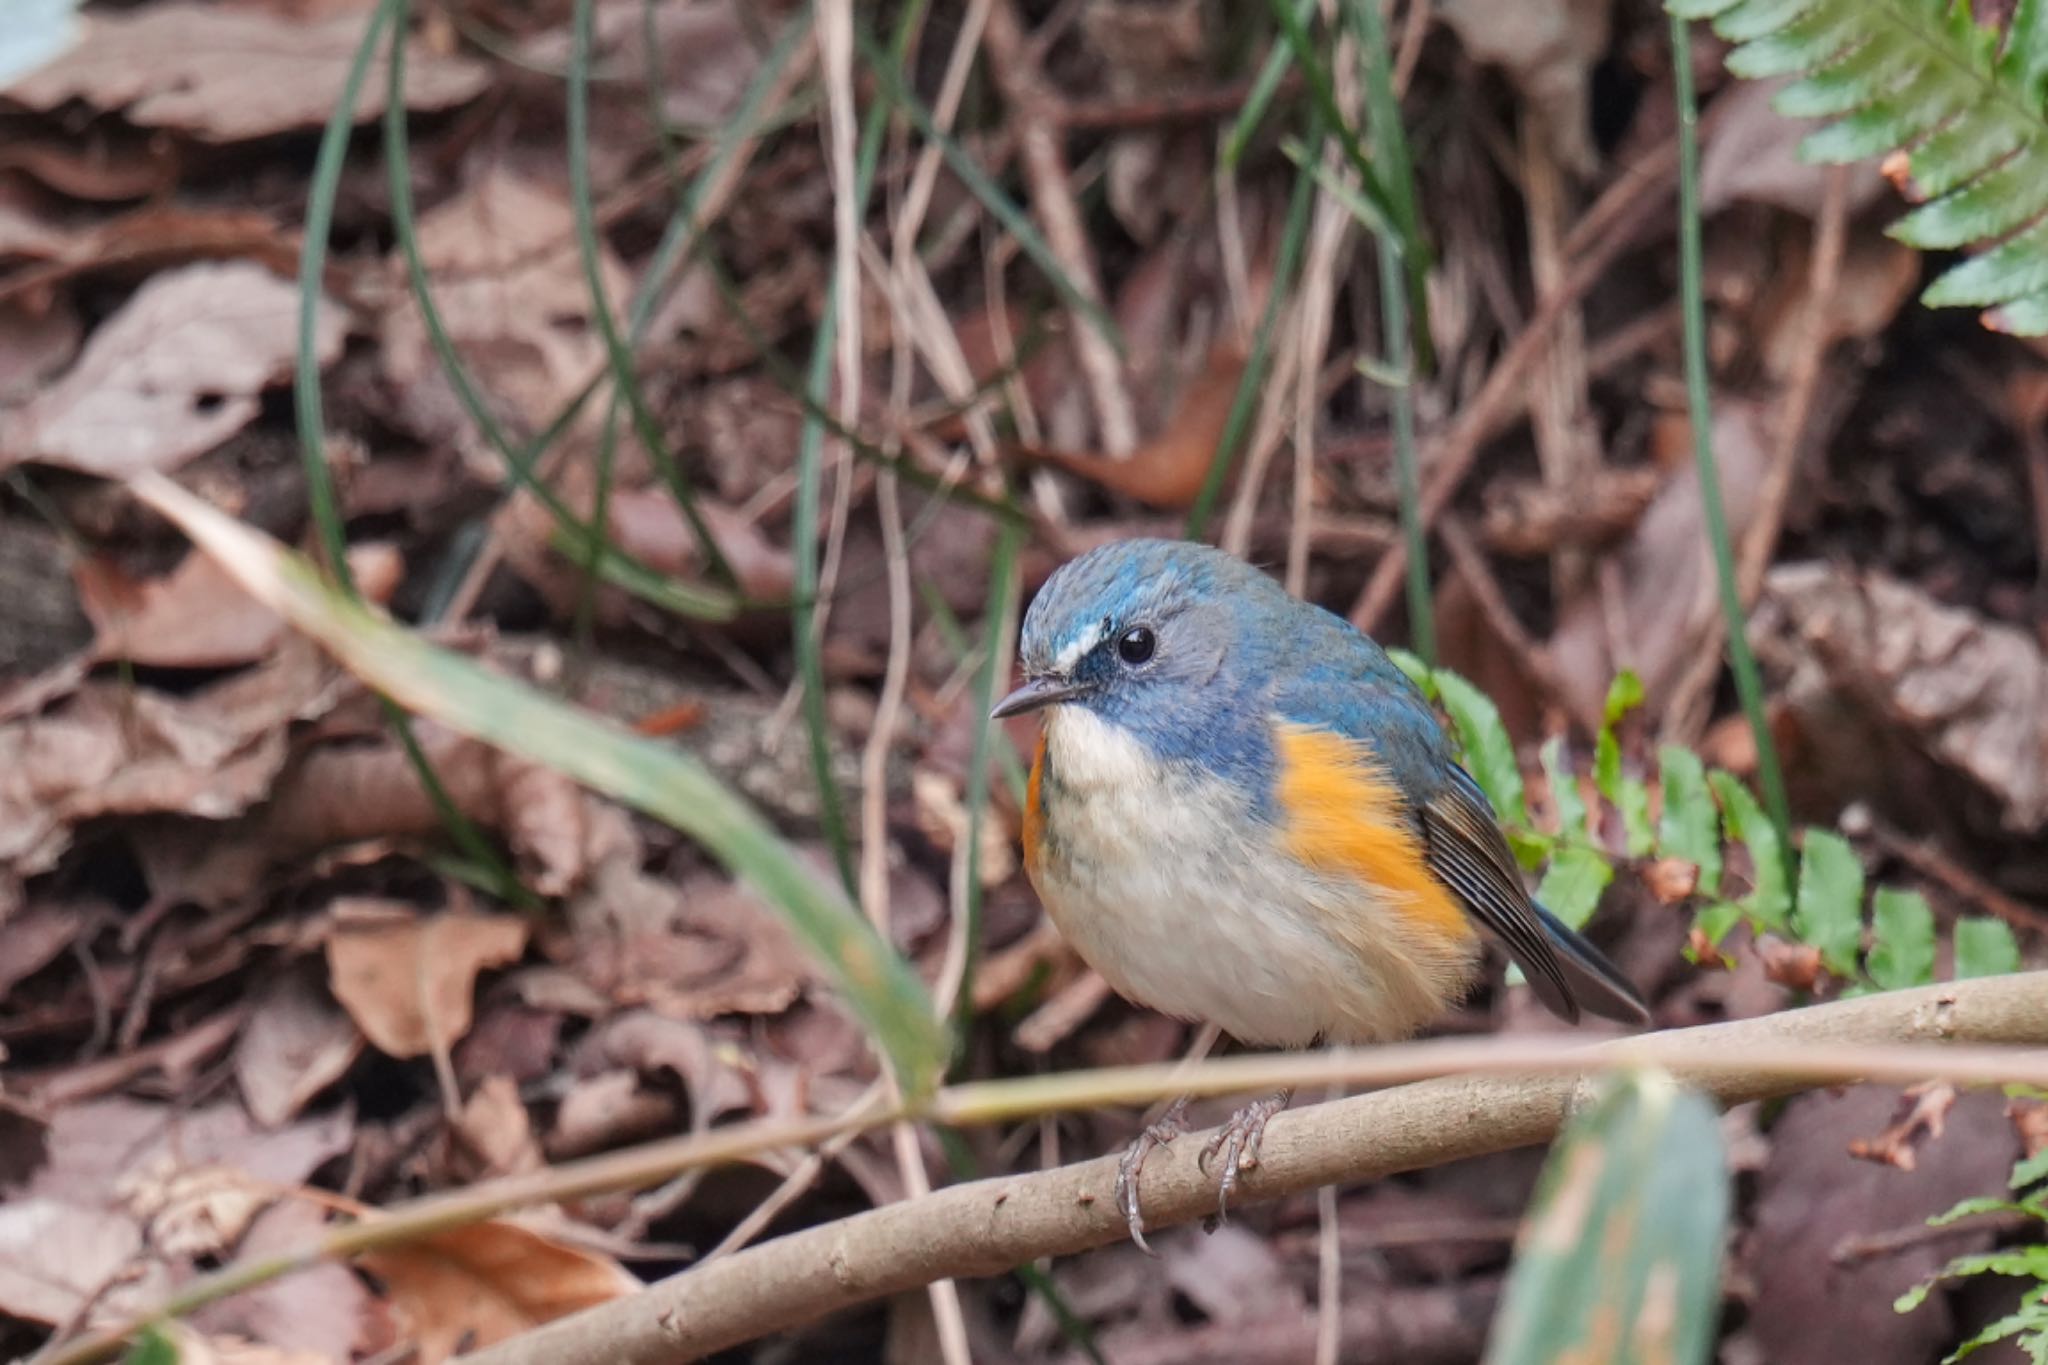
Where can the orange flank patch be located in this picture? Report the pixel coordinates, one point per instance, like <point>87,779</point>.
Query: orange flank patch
<point>1032,815</point>
<point>1339,814</point>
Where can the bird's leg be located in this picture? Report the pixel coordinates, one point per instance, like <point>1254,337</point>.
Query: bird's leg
<point>1239,1140</point>
<point>1158,1133</point>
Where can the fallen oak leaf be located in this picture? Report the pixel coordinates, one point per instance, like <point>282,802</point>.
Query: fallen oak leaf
<point>175,372</point>
<point>224,74</point>
<point>1168,470</point>
<point>472,1286</point>
<point>409,982</point>
<point>196,616</point>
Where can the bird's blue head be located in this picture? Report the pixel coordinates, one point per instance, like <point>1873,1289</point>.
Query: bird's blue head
<point>1162,638</point>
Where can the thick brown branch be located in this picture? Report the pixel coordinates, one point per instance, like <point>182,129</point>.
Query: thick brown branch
<point>986,1227</point>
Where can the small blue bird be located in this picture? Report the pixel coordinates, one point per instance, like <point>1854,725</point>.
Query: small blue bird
<point>1242,812</point>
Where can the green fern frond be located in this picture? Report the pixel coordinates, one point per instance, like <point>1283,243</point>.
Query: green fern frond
<point>1958,109</point>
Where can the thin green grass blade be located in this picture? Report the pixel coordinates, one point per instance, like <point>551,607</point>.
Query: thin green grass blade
<point>521,459</point>
<point>1293,237</point>
<point>619,353</point>
<point>494,874</point>
<point>877,984</point>
<point>1260,98</point>
<point>897,93</point>
<point>1692,298</point>
<point>988,739</point>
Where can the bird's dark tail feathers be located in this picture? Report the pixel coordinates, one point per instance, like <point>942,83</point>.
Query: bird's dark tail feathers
<point>1596,984</point>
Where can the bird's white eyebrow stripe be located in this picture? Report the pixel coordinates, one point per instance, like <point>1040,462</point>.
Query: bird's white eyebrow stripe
<point>1078,648</point>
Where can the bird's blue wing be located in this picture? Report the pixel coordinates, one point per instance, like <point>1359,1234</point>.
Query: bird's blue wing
<point>1348,684</point>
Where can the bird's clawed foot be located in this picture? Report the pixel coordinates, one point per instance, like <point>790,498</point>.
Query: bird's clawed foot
<point>1157,1134</point>
<point>1238,1141</point>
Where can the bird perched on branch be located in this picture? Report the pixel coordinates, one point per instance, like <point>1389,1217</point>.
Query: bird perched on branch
<point>1242,812</point>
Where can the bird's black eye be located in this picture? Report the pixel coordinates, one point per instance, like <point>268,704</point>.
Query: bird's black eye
<point>1137,645</point>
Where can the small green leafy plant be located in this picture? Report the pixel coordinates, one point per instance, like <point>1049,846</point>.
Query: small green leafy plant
<point>2027,1325</point>
<point>1814,895</point>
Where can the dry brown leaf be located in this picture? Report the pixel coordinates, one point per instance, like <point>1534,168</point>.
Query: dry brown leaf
<point>512,295</point>
<point>191,1210</point>
<point>296,1043</point>
<point>707,54</point>
<point>35,345</point>
<point>495,1125</point>
<point>226,73</point>
<point>1663,570</point>
<point>175,372</point>
<point>55,1257</point>
<point>320,1309</point>
<point>703,949</point>
<point>67,1235</point>
<point>196,1349</point>
<point>470,1287</point>
<point>114,750</point>
<point>1548,49</point>
<point>1168,470</point>
<point>608,1110</point>
<point>2030,1117</point>
<point>410,981</point>
<point>1753,156</point>
<point>1926,1108</point>
<point>1968,692</point>
<point>712,1070</point>
<point>197,617</point>
<point>31,940</point>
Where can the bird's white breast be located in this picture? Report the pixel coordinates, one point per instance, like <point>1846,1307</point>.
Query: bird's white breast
<point>1166,880</point>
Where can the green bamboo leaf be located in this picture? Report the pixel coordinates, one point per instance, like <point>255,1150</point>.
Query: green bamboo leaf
<point>878,985</point>
<point>1902,934</point>
<point>1620,1257</point>
<point>1489,753</point>
<point>1573,882</point>
<point>1829,912</point>
<point>1985,947</point>
<point>1564,788</point>
<point>1690,827</point>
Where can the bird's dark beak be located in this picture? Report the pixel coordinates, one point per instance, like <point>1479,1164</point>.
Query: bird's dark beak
<point>1036,692</point>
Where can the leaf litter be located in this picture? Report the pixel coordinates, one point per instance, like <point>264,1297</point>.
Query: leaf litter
<point>246,980</point>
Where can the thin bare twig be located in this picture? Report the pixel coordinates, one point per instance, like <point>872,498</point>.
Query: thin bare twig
<point>988,1226</point>
<point>1687,704</point>
<point>1039,130</point>
<point>1607,230</point>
